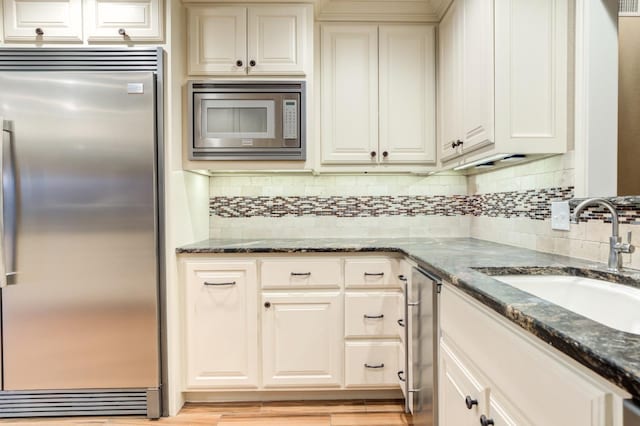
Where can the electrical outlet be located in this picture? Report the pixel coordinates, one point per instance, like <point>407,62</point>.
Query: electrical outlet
<point>560,215</point>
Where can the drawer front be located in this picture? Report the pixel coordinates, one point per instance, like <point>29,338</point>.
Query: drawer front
<point>303,273</point>
<point>373,314</point>
<point>372,364</point>
<point>372,272</point>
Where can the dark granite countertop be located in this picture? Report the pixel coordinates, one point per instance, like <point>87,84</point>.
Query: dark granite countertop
<point>613,354</point>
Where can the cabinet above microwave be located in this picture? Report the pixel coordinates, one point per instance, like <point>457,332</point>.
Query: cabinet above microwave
<point>246,120</point>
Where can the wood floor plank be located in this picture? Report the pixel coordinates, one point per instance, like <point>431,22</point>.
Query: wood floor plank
<point>314,407</point>
<point>365,419</point>
<point>312,420</point>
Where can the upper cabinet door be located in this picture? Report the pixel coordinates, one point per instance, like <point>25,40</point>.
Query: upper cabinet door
<point>276,39</point>
<point>217,40</point>
<point>478,74</point>
<point>117,20</point>
<point>407,94</point>
<point>349,93</point>
<point>43,21</point>
<point>450,80</point>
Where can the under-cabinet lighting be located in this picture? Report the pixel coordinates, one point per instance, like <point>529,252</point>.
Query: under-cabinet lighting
<point>482,161</point>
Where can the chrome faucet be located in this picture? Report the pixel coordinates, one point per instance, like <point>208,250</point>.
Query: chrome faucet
<point>616,246</point>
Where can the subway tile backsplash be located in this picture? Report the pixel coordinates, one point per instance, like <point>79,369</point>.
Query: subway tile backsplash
<point>509,206</point>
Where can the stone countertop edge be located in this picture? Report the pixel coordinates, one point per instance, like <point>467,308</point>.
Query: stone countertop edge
<point>612,354</point>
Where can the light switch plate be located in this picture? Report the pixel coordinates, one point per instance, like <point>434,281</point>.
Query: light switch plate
<point>560,216</point>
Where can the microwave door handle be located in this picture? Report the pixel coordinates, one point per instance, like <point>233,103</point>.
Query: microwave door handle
<point>8,206</point>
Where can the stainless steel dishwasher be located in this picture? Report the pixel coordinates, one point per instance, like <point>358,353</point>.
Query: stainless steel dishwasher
<point>631,414</point>
<point>422,346</point>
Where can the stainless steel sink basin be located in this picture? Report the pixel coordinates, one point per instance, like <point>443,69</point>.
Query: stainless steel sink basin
<point>610,303</point>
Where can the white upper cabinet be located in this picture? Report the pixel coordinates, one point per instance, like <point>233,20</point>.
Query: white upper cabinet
<point>407,93</point>
<point>43,21</point>
<point>123,21</point>
<point>349,93</point>
<point>260,40</point>
<point>377,94</point>
<point>503,79</point>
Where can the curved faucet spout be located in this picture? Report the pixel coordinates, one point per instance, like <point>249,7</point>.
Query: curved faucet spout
<point>602,202</point>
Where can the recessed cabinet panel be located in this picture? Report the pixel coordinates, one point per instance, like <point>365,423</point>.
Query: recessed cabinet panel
<point>373,314</point>
<point>478,75</point>
<point>349,93</point>
<point>372,272</point>
<point>301,342</point>
<point>37,20</point>
<point>407,94</point>
<point>289,273</point>
<point>217,40</point>
<point>221,326</point>
<point>372,364</point>
<point>276,40</point>
<point>110,20</point>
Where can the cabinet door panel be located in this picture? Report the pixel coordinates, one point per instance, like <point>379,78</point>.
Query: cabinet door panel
<point>450,80</point>
<point>372,364</point>
<point>59,20</point>
<point>349,93</point>
<point>221,325</point>
<point>301,341</point>
<point>141,20</point>
<point>478,74</point>
<point>407,93</point>
<point>276,39</point>
<point>373,314</point>
<point>217,40</point>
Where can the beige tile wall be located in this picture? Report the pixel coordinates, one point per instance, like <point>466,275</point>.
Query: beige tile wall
<point>585,240</point>
<point>336,227</point>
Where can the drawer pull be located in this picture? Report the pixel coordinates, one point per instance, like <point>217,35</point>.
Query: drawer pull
<point>220,284</point>
<point>372,274</point>
<point>484,421</point>
<point>374,366</point>
<point>401,322</point>
<point>469,402</point>
<point>401,376</point>
<point>301,274</point>
<point>373,316</point>
<point>402,278</point>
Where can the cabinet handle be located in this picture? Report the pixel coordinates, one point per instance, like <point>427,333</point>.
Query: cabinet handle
<point>219,284</point>
<point>373,316</point>
<point>401,376</point>
<point>239,63</point>
<point>373,154</point>
<point>401,322</point>
<point>122,32</point>
<point>371,274</point>
<point>460,143</point>
<point>267,305</point>
<point>402,278</point>
<point>374,366</point>
<point>252,63</point>
<point>469,402</point>
<point>39,31</point>
<point>385,154</point>
<point>301,274</point>
<point>484,421</point>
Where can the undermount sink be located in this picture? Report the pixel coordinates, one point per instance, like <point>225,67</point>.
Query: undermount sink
<point>612,304</point>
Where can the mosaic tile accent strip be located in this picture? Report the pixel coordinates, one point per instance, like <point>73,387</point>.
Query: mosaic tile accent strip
<point>532,204</point>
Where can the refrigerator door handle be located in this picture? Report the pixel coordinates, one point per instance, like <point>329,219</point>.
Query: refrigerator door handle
<point>7,199</point>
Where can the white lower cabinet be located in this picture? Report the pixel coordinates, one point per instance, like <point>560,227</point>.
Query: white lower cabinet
<point>372,363</point>
<point>221,331</point>
<point>514,378</point>
<point>301,339</point>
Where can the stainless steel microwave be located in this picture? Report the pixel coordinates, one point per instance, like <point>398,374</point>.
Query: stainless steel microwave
<point>246,120</point>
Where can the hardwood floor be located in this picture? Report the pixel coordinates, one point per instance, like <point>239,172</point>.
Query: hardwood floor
<point>303,413</point>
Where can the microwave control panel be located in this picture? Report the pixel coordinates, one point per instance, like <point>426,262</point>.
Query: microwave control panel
<point>290,119</point>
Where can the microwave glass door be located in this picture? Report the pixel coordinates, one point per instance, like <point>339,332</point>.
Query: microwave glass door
<point>238,119</point>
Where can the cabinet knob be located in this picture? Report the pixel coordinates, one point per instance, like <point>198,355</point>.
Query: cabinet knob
<point>470,402</point>
<point>122,32</point>
<point>484,421</point>
<point>373,154</point>
<point>252,63</point>
<point>39,31</point>
<point>267,305</point>
<point>385,154</point>
<point>239,63</point>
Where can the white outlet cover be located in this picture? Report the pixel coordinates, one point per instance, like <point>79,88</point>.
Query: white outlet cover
<point>560,216</point>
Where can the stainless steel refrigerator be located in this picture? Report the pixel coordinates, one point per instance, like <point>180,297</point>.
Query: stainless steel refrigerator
<point>80,242</point>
